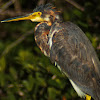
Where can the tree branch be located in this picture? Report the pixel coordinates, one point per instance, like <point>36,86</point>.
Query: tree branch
<point>17,6</point>
<point>5,6</point>
<point>75,5</point>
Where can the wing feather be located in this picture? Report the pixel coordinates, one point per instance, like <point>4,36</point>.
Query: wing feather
<point>74,53</point>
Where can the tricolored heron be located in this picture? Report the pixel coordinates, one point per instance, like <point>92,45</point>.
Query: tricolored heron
<point>67,46</point>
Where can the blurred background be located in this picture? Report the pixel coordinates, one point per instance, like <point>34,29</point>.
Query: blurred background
<point>25,73</point>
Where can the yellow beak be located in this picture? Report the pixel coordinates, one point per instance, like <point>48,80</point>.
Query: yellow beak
<point>35,17</point>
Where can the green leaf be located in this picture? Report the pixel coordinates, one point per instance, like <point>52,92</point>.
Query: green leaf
<point>13,72</point>
<point>40,80</point>
<point>2,64</point>
<point>77,12</point>
<point>11,96</point>
<point>29,83</point>
<point>54,70</point>
<point>2,79</point>
<point>52,93</point>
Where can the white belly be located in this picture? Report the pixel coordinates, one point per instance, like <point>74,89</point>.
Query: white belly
<point>77,89</point>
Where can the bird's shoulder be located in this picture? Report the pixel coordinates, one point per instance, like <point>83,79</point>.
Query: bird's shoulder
<point>73,52</point>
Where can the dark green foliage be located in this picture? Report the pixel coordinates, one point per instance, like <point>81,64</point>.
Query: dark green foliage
<point>25,73</point>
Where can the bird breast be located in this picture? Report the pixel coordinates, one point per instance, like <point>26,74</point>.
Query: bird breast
<point>41,37</point>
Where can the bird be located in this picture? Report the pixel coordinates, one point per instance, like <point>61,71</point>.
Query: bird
<point>68,47</point>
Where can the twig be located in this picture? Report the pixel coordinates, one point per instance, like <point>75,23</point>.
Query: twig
<point>17,6</point>
<point>5,6</point>
<point>11,13</point>
<point>40,2</point>
<point>10,2</point>
<point>19,40</point>
<point>75,5</point>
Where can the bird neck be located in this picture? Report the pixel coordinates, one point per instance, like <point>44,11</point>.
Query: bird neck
<point>41,37</point>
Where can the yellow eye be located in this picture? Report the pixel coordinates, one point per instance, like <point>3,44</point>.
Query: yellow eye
<point>36,14</point>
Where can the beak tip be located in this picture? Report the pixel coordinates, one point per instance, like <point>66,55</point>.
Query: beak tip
<point>2,21</point>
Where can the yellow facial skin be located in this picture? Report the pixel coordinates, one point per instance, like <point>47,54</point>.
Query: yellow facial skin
<point>34,17</point>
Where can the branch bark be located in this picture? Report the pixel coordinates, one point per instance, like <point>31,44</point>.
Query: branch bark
<point>17,6</point>
<point>75,5</point>
<point>5,6</point>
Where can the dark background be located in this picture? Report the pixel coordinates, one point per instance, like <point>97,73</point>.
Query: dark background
<point>25,73</point>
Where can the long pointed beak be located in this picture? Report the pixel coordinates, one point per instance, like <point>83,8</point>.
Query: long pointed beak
<point>35,17</point>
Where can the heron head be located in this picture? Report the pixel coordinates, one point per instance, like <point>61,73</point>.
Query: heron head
<point>43,13</point>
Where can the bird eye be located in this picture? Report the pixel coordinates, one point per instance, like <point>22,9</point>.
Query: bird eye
<point>39,13</point>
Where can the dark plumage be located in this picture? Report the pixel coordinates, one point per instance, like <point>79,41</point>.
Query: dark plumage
<point>74,53</point>
<point>67,46</point>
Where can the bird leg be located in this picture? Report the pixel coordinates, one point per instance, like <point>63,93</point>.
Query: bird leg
<point>88,97</point>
